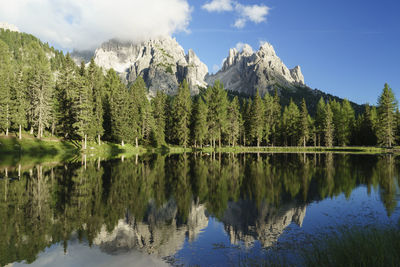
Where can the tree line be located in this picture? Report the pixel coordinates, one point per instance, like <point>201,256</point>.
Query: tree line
<point>45,92</point>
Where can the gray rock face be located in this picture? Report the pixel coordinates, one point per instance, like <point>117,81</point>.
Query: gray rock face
<point>161,62</point>
<point>246,71</point>
<point>159,234</point>
<point>244,222</point>
<point>6,26</point>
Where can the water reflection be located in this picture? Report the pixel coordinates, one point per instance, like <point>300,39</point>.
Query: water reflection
<point>153,203</point>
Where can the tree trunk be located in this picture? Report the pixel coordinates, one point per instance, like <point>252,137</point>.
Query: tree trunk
<point>98,138</point>
<point>31,131</point>
<point>258,142</point>
<point>122,143</point>
<point>7,131</point>
<point>20,132</point>
<point>136,140</point>
<point>85,141</point>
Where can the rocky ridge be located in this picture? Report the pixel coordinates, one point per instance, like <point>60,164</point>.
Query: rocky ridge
<point>7,26</point>
<point>246,71</point>
<point>162,63</point>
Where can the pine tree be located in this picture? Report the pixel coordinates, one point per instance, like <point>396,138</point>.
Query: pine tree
<point>181,114</point>
<point>347,123</point>
<point>319,121</point>
<point>304,124</point>
<point>5,87</point>
<point>337,120</point>
<point>66,94</point>
<point>328,126</point>
<point>112,83</point>
<point>159,103</point>
<point>217,102</point>
<point>290,124</point>
<point>269,119</point>
<point>256,119</point>
<point>276,117</point>
<point>95,80</point>
<point>141,113</point>
<point>199,115</point>
<point>234,121</point>
<point>119,108</point>
<point>386,117</point>
<point>83,107</point>
<point>40,87</point>
<point>19,102</point>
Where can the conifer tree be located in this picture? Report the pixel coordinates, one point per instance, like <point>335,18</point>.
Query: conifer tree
<point>159,103</point>
<point>290,123</point>
<point>319,121</point>
<point>5,87</point>
<point>276,117</point>
<point>141,120</point>
<point>257,119</point>
<point>386,117</point>
<point>181,114</point>
<point>328,126</point>
<point>246,115</point>
<point>40,87</point>
<point>119,108</point>
<point>66,94</point>
<point>305,124</point>
<point>217,102</point>
<point>95,81</point>
<point>199,115</point>
<point>269,119</point>
<point>83,107</point>
<point>111,83</point>
<point>347,123</point>
<point>234,121</point>
<point>19,102</point>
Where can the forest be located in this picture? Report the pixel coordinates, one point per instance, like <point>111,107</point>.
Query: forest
<point>45,93</point>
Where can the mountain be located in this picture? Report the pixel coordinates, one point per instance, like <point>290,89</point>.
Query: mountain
<point>246,71</point>
<point>161,62</point>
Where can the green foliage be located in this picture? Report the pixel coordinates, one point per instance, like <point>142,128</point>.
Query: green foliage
<point>159,103</point>
<point>386,117</point>
<point>328,126</point>
<point>257,119</point>
<point>181,111</point>
<point>290,124</point>
<point>199,124</point>
<point>5,85</point>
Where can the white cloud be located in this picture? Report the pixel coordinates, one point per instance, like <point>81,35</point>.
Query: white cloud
<point>239,46</point>
<point>253,13</point>
<point>244,13</point>
<point>218,6</point>
<point>84,24</point>
<point>216,68</point>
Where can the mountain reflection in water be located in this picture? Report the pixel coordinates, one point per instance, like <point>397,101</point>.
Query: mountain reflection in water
<point>155,203</point>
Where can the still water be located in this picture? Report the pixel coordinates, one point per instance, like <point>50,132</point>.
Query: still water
<point>186,210</point>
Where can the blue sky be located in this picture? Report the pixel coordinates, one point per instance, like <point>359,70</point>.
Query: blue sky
<point>346,48</point>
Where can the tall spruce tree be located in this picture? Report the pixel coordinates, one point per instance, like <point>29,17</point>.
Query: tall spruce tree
<point>386,117</point>
<point>112,83</point>
<point>304,124</point>
<point>234,121</point>
<point>199,115</point>
<point>95,81</point>
<point>66,94</point>
<point>19,101</point>
<point>217,102</point>
<point>159,103</point>
<point>41,91</point>
<point>290,124</point>
<point>276,117</point>
<point>319,121</point>
<point>257,119</point>
<point>347,123</point>
<point>5,87</point>
<point>328,126</point>
<point>269,119</point>
<point>182,107</point>
<point>83,107</point>
<point>141,113</point>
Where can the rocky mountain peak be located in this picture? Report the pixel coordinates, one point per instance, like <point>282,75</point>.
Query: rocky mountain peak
<point>7,26</point>
<point>247,71</point>
<point>162,63</point>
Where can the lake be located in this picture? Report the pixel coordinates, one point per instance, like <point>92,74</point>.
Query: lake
<point>189,209</point>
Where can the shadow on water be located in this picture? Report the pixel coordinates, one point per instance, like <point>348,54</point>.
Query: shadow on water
<point>154,202</point>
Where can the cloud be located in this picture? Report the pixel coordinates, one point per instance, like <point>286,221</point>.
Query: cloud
<point>218,6</point>
<point>254,13</point>
<point>216,68</point>
<point>244,13</point>
<point>84,24</point>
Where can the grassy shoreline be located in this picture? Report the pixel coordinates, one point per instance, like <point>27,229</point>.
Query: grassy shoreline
<point>12,149</point>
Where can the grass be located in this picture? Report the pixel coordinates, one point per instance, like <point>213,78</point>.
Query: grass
<point>356,247</point>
